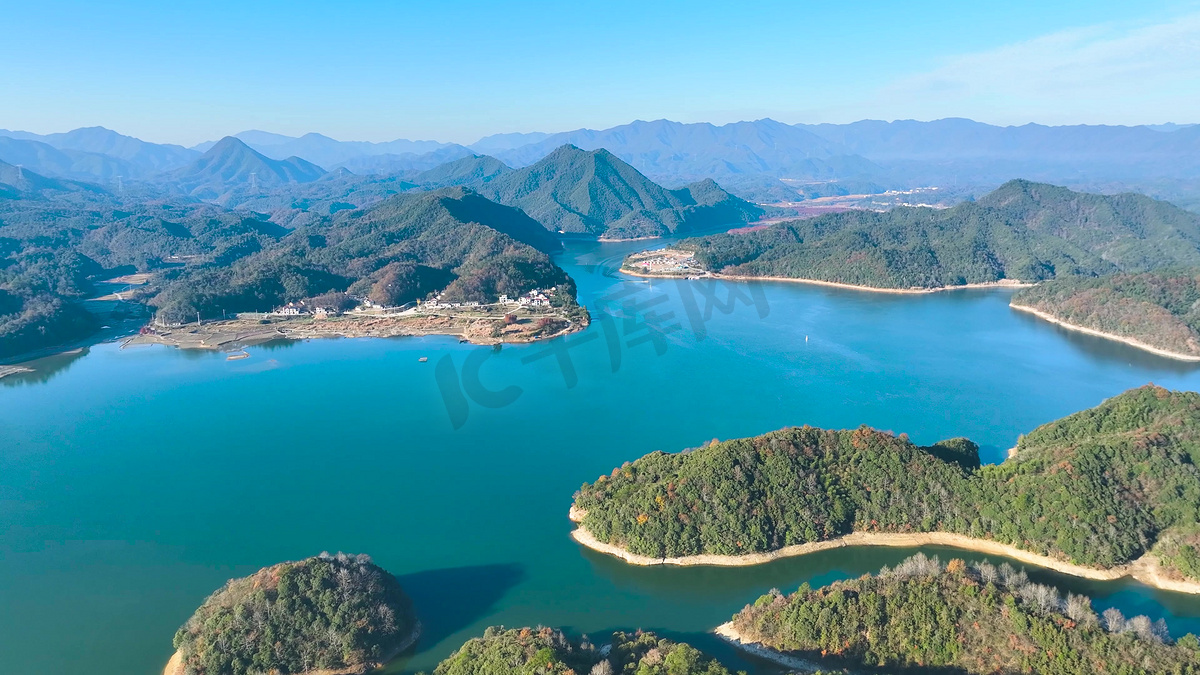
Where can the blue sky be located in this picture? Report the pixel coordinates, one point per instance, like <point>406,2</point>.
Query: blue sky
<point>454,71</point>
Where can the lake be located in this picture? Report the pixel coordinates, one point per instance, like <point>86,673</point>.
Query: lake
<point>135,482</point>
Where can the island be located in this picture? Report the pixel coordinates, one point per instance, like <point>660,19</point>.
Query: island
<point>548,651</point>
<point>1104,493</point>
<point>1020,233</point>
<point>1155,311</point>
<point>329,614</point>
<point>923,616</point>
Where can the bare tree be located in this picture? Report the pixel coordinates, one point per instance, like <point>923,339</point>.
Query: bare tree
<point>1079,608</point>
<point>1114,620</point>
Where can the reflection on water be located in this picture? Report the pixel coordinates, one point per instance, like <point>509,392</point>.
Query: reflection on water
<point>44,369</point>
<point>1111,350</point>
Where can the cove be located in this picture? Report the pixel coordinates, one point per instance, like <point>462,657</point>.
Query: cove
<point>135,482</point>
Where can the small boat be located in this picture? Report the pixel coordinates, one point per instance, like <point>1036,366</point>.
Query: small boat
<point>423,359</point>
<point>237,356</point>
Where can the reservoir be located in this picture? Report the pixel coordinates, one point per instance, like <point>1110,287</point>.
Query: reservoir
<point>135,482</point>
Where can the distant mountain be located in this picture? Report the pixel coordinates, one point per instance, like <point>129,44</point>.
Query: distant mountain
<point>325,151</point>
<point>74,164</point>
<point>669,150</point>
<point>16,183</point>
<point>500,142</point>
<point>1022,231</point>
<point>142,159</point>
<point>473,170</point>
<point>232,163</point>
<point>574,190</point>
<point>407,161</point>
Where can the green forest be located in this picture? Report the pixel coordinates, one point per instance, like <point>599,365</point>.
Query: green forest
<point>1097,488</point>
<point>1161,309</point>
<point>547,651</point>
<point>210,261</point>
<point>326,612</point>
<point>923,617</point>
<point>594,192</point>
<point>1021,231</point>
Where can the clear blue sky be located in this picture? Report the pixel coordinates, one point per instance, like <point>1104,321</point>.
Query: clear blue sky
<point>186,72</point>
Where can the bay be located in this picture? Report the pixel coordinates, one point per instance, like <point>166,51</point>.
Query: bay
<point>134,482</point>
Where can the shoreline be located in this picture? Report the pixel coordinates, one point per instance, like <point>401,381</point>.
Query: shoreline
<point>237,334</point>
<point>175,664</point>
<point>729,634</point>
<point>1144,570</point>
<point>1007,283</point>
<point>1132,342</point>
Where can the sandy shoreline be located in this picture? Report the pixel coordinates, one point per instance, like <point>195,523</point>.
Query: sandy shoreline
<point>728,633</point>
<point>5,371</point>
<point>175,665</point>
<point>1144,569</point>
<point>1007,283</point>
<point>1108,336</point>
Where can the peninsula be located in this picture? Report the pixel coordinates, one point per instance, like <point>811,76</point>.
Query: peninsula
<point>1103,493</point>
<point>330,614</point>
<point>924,616</point>
<point>1020,233</point>
<point>1155,311</point>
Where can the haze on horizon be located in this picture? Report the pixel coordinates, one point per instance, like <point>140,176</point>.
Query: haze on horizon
<point>187,73</point>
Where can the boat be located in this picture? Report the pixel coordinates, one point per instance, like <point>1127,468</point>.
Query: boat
<point>237,356</point>
<point>423,359</point>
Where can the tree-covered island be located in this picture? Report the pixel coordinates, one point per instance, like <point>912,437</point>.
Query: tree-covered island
<point>332,614</point>
<point>1092,493</point>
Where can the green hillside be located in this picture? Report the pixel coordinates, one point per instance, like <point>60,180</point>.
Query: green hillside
<point>54,249</point>
<point>325,612</point>
<point>1096,488</point>
<point>399,250</point>
<point>1161,309</point>
<point>572,190</point>
<point>924,617</point>
<point>546,651</point>
<point>471,171</point>
<point>231,163</point>
<point>1022,231</point>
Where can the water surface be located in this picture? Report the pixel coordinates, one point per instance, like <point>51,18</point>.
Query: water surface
<point>135,482</point>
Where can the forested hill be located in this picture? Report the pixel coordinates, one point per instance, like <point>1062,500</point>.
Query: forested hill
<point>232,163</point>
<point>577,191</point>
<point>1097,488</point>
<point>1159,309</point>
<point>399,250</point>
<point>323,613</point>
<point>546,651</point>
<point>924,617</point>
<point>1021,231</point>
<point>55,245</point>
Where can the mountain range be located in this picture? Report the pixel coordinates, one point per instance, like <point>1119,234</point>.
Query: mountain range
<point>764,160</point>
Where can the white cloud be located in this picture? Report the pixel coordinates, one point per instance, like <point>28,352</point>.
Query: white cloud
<point>1112,73</point>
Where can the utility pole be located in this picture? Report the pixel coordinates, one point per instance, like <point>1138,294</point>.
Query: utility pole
<point>120,186</point>
<point>20,174</point>
<point>253,181</point>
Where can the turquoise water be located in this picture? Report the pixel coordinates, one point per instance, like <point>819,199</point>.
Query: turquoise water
<point>135,482</point>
